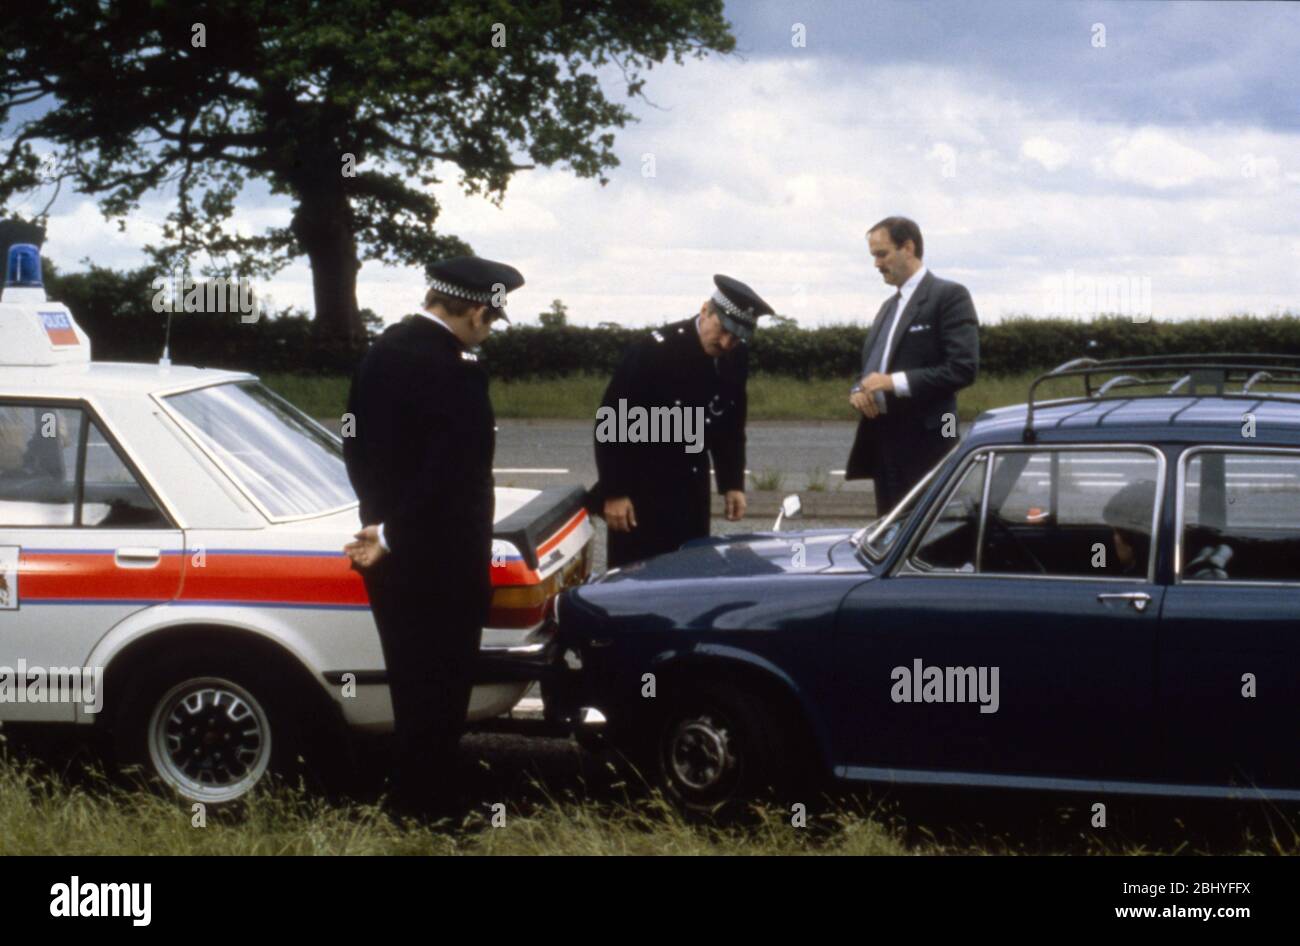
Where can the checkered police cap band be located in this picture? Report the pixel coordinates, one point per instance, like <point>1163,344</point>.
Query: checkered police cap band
<point>447,289</point>
<point>745,315</point>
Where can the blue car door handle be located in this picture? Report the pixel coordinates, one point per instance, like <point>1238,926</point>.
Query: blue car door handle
<point>1139,599</point>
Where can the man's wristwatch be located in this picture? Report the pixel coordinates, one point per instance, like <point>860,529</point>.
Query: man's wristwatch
<point>856,389</point>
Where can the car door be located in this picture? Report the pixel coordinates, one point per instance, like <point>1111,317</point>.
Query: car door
<point>83,545</point>
<point>1010,588</point>
<point>1229,682</point>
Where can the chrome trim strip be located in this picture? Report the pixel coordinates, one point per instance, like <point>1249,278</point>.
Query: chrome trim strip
<point>517,650</point>
<point>984,511</point>
<point>1108,579</point>
<point>1048,783</point>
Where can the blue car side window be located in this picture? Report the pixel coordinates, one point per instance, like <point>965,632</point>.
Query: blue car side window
<point>1241,517</point>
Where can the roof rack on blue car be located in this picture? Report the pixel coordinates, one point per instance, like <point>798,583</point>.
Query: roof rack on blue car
<point>1223,375</point>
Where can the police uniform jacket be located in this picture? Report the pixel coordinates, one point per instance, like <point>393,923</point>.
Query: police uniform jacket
<point>421,458</point>
<point>668,486</point>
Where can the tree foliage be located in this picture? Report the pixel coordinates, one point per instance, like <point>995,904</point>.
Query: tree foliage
<point>121,98</point>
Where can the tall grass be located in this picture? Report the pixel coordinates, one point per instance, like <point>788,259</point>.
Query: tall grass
<point>42,813</point>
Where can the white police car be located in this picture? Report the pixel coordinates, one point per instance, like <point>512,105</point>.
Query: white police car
<point>171,563</point>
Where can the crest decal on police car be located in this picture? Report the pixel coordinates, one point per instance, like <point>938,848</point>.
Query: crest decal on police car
<point>9,577</point>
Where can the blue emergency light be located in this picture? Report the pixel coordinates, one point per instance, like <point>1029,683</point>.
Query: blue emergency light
<point>24,270</point>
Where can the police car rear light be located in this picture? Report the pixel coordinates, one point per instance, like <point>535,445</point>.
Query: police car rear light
<point>523,605</point>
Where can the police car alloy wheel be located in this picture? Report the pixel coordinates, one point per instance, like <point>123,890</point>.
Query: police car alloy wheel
<point>210,728</point>
<point>209,739</point>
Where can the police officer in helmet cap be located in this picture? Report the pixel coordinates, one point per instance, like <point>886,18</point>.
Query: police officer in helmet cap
<point>421,465</point>
<point>655,495</point>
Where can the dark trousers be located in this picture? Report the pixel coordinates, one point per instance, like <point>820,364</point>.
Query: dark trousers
<point>430,636</point>
<point>908,456</point>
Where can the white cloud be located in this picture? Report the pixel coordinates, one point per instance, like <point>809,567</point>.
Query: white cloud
<point>1050,154</point>
<point>771,170</point>
<point>1155,158</point>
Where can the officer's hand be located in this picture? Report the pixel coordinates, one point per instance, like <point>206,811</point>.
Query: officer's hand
<point>366,551</point>
<point>864,404</point>
<point>735,505</point>
<point>619,514</point>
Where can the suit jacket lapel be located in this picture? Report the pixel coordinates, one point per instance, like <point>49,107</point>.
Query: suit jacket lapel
<point>913,307</point>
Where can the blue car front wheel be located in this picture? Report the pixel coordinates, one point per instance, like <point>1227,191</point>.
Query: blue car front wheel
<point>720,747</point>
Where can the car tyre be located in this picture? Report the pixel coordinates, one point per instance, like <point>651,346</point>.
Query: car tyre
<point>720,747</point>
<point>209,729</point>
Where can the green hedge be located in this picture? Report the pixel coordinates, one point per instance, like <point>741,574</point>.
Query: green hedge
<point>114,309</point>
<point>1011,347</point>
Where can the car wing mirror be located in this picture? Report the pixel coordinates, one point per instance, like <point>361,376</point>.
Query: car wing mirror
<point>791,508</point>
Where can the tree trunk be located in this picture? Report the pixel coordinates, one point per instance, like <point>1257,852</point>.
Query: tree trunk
<point>322,224</point>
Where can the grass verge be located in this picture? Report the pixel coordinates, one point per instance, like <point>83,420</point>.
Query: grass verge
<point>771,397</point>
<point>42,813</point>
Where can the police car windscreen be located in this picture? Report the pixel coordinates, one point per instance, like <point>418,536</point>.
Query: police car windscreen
<point>287,463</point>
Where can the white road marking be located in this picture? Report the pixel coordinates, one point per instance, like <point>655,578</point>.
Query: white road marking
<point>528,469</point>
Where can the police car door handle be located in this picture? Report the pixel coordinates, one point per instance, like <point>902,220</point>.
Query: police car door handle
<point>1139,599</point>
<point>137,557</point>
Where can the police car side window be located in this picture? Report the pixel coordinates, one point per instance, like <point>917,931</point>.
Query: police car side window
<point>1241,517</point>
<point>38,465</point>
<point>113,498</point>
<point>40,462</point>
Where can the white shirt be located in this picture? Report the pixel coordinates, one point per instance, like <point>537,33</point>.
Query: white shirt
<point>383,543</point>
<point>905,293</point>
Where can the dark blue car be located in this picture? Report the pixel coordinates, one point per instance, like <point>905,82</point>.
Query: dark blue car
<point>1095,593</point>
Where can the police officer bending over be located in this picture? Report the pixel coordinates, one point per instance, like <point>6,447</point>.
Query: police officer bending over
<point>421,465</point>
<point>653,487</point>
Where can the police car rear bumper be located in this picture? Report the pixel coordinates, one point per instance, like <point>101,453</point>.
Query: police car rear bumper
<point>520,663</point>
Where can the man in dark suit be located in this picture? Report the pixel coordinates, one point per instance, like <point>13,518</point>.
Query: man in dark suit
<point>653,490</point>
<point>922,349</point>
<point>421,465</point>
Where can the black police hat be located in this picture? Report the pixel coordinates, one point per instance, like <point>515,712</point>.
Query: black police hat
<point>476,280</point>
<point>738,306</point>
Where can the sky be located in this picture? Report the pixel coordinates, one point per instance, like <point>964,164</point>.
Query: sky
<point>1060,158</point>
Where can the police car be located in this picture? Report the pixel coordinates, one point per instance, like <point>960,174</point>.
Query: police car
<point>171,564</point>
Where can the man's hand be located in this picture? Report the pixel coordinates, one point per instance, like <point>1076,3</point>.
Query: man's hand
<point>366,551</point>
<point>619,514</point>
<point>876,382</point>
<point>735,500</point>
<point>863,404</point>
<point>864,399</point>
